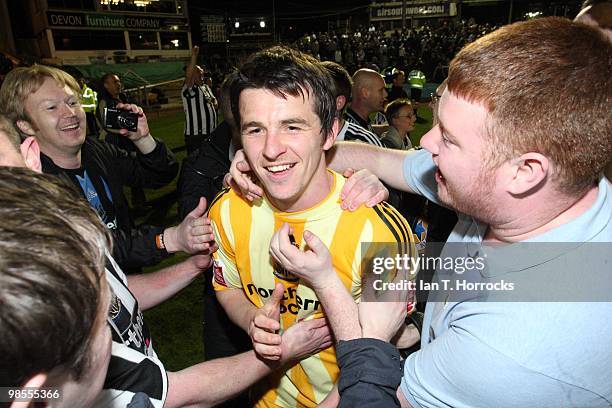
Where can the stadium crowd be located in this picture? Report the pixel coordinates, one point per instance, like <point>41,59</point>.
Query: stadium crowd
<point>424,47</point>
<point>291,208</point>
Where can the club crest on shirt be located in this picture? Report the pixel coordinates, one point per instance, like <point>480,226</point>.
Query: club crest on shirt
<point>218,272</point>
<point>282,273</point>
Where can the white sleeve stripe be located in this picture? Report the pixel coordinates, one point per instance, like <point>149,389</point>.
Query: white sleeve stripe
<point>358,132</point>
<point>122,351</point>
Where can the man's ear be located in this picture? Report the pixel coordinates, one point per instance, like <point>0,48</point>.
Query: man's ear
<point>30,151</point>
<point>364,92</point>
<point>528,172</point>
<point>26,127</point>
<point>331,136</point>
<point>35,382</point>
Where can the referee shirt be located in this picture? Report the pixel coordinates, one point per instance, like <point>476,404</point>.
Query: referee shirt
<point>352,116</point>
<point>199,107</point>
<point>353,132</point>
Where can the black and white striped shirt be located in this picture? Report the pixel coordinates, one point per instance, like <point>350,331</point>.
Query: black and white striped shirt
<point>134,365</point>
<point>199,107</point>
<point>353,132</point>
<point>352,116</point>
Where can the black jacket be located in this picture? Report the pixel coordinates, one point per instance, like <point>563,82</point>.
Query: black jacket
<point>370,373</point>
<point>133,247</point>
<point>203,170</point>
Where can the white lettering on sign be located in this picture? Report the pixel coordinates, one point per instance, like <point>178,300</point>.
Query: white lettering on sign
<point>389,12</point>
<point>432,9</point>
<point>142,23</point>
<point>104,21</point>
<point>66,20</point>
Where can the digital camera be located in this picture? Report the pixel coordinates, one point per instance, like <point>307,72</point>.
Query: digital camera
<point>120,119</point>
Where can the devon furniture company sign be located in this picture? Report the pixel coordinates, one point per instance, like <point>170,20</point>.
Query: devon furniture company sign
<point>111,21</point>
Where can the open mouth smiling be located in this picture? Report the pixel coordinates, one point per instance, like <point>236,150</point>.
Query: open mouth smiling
<point>279,168</point>
<point>70,127</point>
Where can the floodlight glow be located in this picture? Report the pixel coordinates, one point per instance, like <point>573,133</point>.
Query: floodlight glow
<point>533,14</point>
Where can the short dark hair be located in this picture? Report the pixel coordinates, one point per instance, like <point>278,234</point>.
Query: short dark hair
<point>52,256</point>
<point>285,71</point>
<point>393,108</point>
<point>108,75</point>
<point>225,92</point>
<point>341,77</point>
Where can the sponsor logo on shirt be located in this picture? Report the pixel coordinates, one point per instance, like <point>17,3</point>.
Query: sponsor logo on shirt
<point>283,274</point>
<point>218,272</point>
<point>129,326</point>
<point>292,302</point>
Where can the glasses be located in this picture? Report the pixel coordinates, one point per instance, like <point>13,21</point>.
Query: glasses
<point>435,97</point>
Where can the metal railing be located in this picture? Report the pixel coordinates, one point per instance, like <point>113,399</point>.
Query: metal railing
<point>141,93</point>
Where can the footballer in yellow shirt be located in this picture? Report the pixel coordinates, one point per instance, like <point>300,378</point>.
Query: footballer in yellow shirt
<point>285,109</point>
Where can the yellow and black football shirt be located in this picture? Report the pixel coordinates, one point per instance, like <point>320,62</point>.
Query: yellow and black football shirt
<point>243,231</point>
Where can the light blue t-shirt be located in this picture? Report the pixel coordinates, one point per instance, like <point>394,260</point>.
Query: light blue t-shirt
<point>519,354</point>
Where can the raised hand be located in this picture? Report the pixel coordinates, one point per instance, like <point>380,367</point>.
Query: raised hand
<point>313,265</point>
<point>264,326</point>
<point>194,234</point>
<point>383,313</point>
<point>143,126</point>
<point>304,339</point>
<point>362,187</point>
<point>240,178</point>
